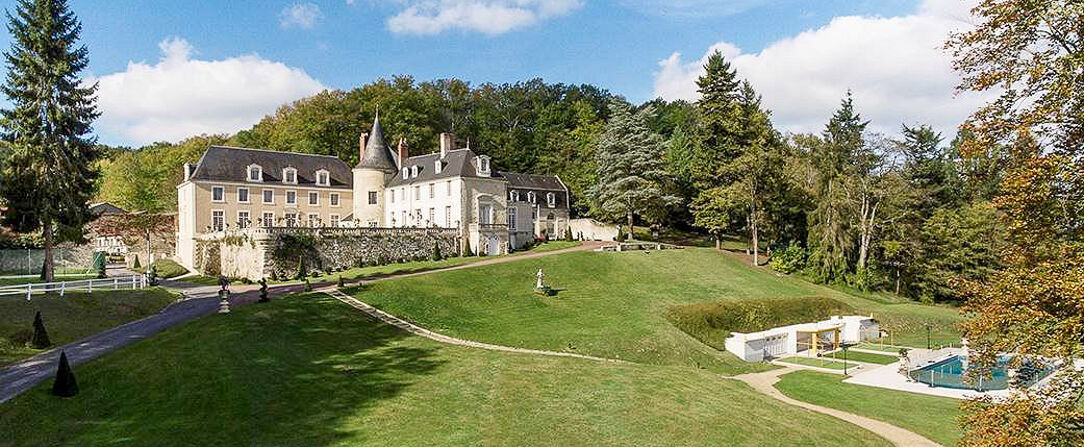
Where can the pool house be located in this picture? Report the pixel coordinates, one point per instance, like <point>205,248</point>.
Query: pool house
<point>809,338</point>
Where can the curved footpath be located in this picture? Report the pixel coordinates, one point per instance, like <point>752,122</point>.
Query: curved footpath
<point>200,301</point>
<point>764,382</point>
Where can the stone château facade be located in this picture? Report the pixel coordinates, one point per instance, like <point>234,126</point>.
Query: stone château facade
<point>238,189</point>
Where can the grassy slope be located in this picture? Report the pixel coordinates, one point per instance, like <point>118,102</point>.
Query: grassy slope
<point>307,370</point>
<point>74,316</point>
<point>930,416</point>
<point>36,280</point>
<point>614,304</point>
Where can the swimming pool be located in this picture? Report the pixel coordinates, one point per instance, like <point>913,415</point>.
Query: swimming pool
<point>950,373</point>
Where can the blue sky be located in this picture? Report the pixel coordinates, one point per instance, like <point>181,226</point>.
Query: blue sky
<point>615,44</point>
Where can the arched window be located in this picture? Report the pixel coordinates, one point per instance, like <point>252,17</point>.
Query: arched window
<point>551,199</point>
<point>255,173</point>
<point>414,171</point>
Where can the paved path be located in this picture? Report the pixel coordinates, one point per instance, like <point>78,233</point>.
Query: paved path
<point>764,382</point>
<point>201,301</point>
<point>422,332</point>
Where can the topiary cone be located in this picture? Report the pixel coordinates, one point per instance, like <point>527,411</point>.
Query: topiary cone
<point>41,336</point>
<point>65,384</point>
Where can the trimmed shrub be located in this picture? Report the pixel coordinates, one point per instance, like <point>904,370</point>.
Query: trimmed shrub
<point>790,259</point>
<point>168,269</point>
<point>712,323</point>
<point>308,285</point>
<point>620,235</point>
<point>65,384</point>
<point>568,234</point>
<point>437,255</point>
<point>341,283</point>
<point>135,264</point>
<point>40,340</point>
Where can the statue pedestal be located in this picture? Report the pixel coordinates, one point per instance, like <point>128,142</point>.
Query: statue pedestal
<point>224,303</point>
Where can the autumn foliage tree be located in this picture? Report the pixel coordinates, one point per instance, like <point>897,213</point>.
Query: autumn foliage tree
<point>1032,55</point>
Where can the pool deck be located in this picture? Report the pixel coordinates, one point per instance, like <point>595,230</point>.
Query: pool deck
<point>888,376</point>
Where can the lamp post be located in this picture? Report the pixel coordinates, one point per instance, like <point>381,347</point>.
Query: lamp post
<point>844,347</point>
<point>928,344</point>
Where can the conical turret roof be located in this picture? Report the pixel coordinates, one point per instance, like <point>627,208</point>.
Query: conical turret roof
<point>378,155</point>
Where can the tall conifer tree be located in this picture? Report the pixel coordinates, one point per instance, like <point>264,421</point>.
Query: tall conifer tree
<point>49,176</point>
<point>631,169</point>
<point>718,125</point>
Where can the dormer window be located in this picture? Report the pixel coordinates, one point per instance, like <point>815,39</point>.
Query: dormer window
<point>551,199</point>
<point>323,178</point>
<point>437,167</point>
<point>255,173</point>
<point>483,166</point>
<point>531,197</point>
<point>406,173</point>
<point>414,171</point>
<point>513,196</point>
<point>289,175</point>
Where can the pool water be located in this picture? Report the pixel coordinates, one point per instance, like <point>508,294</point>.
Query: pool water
<point>950,373</point>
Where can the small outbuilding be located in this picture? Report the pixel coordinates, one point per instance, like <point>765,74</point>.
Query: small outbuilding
<point>813,337</point>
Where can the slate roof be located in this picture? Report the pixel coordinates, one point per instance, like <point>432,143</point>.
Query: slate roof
<point>532,181</point>
<point>104,208</point>
<point>230,164</point>
<point>377,153</point>
<point>457,163</point>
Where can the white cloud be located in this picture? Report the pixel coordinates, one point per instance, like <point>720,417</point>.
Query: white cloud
<point>693,8</point>
<point>180,96</point>
<point>896,67</point>
<point>427,17</point>
<point>300,15</point>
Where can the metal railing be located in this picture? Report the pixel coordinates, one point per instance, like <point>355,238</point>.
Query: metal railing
<point>84,285</point>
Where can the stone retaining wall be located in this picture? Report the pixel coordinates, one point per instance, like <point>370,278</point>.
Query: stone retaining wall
<point>282,252</point>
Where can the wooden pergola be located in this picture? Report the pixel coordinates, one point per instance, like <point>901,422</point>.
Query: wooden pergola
<point>814,335</point>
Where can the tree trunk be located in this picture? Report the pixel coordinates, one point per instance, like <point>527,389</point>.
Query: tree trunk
<point>756,243</point>
<point>47,266</point>
<point>629,236</point>
<point>897,281</point>
<point>718,241</point>
<point>148,258</point>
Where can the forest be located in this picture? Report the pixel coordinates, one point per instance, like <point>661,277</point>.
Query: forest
<point>908,213</point>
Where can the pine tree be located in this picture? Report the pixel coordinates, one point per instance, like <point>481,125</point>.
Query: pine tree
<point>49,177</point>
<point>631,169</point>
<point>135,264</point>
<point>65,385</point>
<point>41,336</point>
<point>718,127</point>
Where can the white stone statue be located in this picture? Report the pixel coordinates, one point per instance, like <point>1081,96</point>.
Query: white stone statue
<point>540,276</point>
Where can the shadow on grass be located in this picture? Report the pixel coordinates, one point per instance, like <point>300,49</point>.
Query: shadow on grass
<point>302,370</point>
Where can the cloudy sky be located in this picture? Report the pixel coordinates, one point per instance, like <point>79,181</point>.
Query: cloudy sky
<point>171,69</point>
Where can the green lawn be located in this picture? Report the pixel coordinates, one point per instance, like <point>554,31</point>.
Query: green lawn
<point>864,357</point>
<point>308,370</point>
<point>931,416</point>
<point>873,346</point>
<point>614,304</point>
<point>72,317</point>
<point>815,362</point>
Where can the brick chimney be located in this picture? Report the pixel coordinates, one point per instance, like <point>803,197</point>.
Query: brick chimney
<point>447,143</point>
<point>362,140</point>
<point>404,152</point>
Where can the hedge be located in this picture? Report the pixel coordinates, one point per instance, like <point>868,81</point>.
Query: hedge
<point>168,269</point>
<point>712,323</point>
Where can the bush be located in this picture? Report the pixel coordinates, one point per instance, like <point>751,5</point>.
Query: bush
<point>436,252</point>
<point>712,323</point>
<point>41,336</point>
<point>65,385</point>
<point>790,259</point>
<point>168,269</point>
<point>308,285</point>
<point>135,264</point>
<point>620,235</point>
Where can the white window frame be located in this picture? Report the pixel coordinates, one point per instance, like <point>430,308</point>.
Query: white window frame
<point>334,200</point>
<point>417,216</point>
<point>432,217</point>
<point>248,195</point>
<point>287,199</point>
<point>551,199</point>
<point>372,197</point>
<point>244,222</point>
<point>392,196</point>
<point>514,196</point>
<point>290,219</point>
<point>448,216</point>
<point>406,172</point>
<point>417,192</point>
<point>221,194</point>
<point>438,166</point>
<point>268,222</point>
<point>333,220</point>
<point>263,196</point>
<point>326,181</point>
<point>314,198</point>
<point>414,171</point>
<point>532,197</point>
<point>512,218</point>
<point>312,219</point>
<point>258,170</point>
<point>432,190</point>
<point>222,218</point>
<point>286,176</point>
<point>449,183</point>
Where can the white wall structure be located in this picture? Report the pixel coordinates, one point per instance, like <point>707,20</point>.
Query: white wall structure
<point>592,230</point>
<point>787,340</point>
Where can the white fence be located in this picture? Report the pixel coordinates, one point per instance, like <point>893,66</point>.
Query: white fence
<point>84,285</point>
